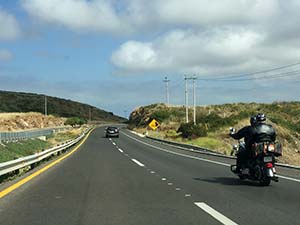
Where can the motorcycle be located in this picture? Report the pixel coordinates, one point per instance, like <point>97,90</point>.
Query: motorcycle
<point>261,165</point>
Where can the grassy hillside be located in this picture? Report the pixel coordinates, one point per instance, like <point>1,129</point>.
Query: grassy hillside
<point>27,102</point>
<point>216,121</point>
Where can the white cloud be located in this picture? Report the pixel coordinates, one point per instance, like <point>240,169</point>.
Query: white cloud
<point>78,15</point>
<point>5,55</point>
<point>215,36</point>
<point>189,51</point>
<point>214,12</point>
<point>206,36</point>
<point>139,54</point>
<point>9,26</point>
<point>134,15</point>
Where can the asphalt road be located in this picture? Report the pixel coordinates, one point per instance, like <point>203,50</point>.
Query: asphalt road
<point>133,180</point>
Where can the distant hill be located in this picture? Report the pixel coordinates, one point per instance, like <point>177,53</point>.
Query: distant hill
<point>217,119</point>
<point>29,102</point>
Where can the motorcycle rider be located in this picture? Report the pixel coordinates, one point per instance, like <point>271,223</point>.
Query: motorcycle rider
<point>257,132</point>
<point>244,151</point>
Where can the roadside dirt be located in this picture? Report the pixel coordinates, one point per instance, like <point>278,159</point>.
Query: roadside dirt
<point>26,121</point>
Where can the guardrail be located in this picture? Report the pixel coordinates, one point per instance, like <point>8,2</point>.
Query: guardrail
<point>201,150</point>
<point>22,135</point>
<point>31,160</point>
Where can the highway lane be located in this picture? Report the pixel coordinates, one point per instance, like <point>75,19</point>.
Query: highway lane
<point>99,184</point>
<point>242,201</point>
<point>125,181</point>
<point>283,171</point>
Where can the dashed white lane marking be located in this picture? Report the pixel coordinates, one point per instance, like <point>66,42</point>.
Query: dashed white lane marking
<point>139,163</point>
<point>175,153</point>
<point>178,189</point>
<point>170,184</point>
<point>187,195</point>
<point>114,143</point>
<point>120,150</point>
<point>152,172</point>
<point>201,159</point>
<point>218,216</point>
<point>163,179</point>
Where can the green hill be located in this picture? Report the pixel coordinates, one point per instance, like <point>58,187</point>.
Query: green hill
<point>216,120</point>
<point>28,102</point>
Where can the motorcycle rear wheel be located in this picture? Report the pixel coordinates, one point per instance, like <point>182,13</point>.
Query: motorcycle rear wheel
<point>265,182</point>
<point>242,177</point>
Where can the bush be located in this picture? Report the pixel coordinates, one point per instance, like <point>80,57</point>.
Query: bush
<point>161,115</point>
<point>214,121</point>
<point>73,121</point>
<point>189,130</point>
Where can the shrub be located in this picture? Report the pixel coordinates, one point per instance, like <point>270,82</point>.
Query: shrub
<point>73,121</point>
<point>189,130</point>
<point>214,121</point>
<point>161,115</point>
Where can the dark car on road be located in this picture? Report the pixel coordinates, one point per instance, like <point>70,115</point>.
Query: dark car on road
<point>112,132</point>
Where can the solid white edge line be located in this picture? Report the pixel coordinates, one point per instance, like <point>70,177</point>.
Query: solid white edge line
<point>218,216</point>
<point>137,162</point>
<point>120,150</point>
<point>288,178</point>
<point>201,159</point>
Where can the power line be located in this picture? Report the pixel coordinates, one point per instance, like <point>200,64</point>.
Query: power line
<point>221,78</point>
<point>271,76</point>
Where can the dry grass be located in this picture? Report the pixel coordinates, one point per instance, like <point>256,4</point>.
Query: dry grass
<point>64,136</point>
<point>221,142</point>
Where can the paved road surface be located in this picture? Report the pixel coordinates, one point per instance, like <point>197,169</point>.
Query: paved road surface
<point>134,181</point>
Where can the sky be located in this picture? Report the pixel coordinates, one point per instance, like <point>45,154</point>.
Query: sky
<point>115,54</point>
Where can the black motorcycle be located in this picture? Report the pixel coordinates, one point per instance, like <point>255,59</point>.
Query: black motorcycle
<point>261,165</point>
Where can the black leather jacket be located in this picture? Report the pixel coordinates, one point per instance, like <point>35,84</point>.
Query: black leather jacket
<point>260,132</point>
<point>263,133</point>
<point>246,133</point>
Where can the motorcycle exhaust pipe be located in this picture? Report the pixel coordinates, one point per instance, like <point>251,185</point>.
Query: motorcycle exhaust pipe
<point>270,172</point>
<point>270,169</point>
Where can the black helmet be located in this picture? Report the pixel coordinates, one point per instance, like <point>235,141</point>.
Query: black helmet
<point>260,117</point>
<point>253,120</point>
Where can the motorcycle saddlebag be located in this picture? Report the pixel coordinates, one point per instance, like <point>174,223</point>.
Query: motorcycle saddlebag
<point>265,147</point>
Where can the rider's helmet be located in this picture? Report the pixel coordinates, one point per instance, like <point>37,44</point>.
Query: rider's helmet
<point>260,117</point>
<point>253,120</point>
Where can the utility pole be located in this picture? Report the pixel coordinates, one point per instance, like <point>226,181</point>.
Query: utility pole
<point>194,97</point>
<point>90,114</point>
<point>194,78</point>
<point>166,80</point>
<point>186,100</point>
<point>46,110</point>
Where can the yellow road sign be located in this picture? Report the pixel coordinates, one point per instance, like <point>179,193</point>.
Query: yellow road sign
<point>154,124</point>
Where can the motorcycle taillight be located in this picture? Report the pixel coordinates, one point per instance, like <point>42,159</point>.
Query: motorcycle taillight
<point>269,165</point>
